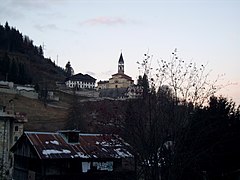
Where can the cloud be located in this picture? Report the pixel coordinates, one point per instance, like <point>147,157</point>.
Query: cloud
<point>104,21</point>
<point>11,14</point>
<point>46,27</point>
<point>53,27</point>
<point>29,4</point>
<point>91,73</point>
<point>7,11</point>
<point>52,15</point>
<point>107,73</point>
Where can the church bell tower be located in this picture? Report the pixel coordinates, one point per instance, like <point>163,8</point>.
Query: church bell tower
<point>121,65</point>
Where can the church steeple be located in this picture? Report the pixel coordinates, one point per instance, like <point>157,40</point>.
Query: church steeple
<point>121,65</point>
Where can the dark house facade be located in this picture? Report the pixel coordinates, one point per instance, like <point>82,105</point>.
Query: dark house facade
<point>72,155</point>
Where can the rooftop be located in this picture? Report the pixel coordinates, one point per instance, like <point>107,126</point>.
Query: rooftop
<point>50,145</point>
<point>81,77</point>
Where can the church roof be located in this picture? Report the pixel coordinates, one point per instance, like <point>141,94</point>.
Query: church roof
<point>121,59</point>
<point>122,75</point>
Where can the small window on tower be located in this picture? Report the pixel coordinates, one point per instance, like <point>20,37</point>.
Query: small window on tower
<point>16,128</point>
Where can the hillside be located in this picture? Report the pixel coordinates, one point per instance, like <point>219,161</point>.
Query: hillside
<point>40,117</point>
<point>23,63</point>
<point>96,116</point>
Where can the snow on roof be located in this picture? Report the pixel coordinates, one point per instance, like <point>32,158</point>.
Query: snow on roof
<point>54,146</point>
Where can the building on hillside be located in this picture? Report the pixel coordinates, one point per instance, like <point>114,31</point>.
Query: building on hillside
<point>118,80</point>
<point>23,90</point>
<point>103,85</point>
<point>135,91</point>
<point>72,155</point>
<point>6,84</point>
<point>27,91</point>
<point>80,81</point>
<point>11,128</point>
<point>118,85</point>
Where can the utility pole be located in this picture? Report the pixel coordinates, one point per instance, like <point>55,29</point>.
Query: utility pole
<point>43,47</point>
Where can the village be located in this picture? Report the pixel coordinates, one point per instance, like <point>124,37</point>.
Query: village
<point>80,130</point>
<point>66,153</point>
<point>119,90</point>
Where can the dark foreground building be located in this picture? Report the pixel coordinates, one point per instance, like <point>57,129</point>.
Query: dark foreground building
<point>72,155</point>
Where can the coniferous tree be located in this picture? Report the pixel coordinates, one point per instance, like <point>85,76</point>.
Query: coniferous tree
<point>68,69</point>
<point>75,118</point>
<point>13,73</point>
<point>40,51</point>
<point>6,65</point>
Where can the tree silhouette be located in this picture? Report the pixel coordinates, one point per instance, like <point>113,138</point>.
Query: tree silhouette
<point>75,118</point>
<point>211,141</point>
<point>68,69</point>
<point>157,124</point>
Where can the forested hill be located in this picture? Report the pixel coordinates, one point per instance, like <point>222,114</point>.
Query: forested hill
<point>22,62</point>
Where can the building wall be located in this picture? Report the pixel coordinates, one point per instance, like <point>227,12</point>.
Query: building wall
<point>10,131</point>
<point>103,85</point>
<point>28,94</point>
<point>58,169</point>
<point>80,84</point>
<point>5,145</point>
<point>119,81</point>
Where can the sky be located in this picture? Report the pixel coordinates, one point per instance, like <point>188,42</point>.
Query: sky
<point>91,34</point>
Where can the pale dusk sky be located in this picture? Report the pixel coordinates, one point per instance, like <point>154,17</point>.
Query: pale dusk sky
<point>91,34</point>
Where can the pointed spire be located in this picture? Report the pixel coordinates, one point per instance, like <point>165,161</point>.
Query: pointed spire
<point>121,58</point>
<point>121,64</point>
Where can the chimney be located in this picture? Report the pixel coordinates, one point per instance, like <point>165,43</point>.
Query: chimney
<point>70,136</point>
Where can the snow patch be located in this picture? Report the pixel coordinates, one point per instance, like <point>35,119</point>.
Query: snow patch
<point>53,151</point>
<point>55,142</point>
<point>122,154</point>
<point>104,149</point>
<point>81,155</point>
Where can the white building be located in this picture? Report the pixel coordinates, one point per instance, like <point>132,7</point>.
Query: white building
<point>81,81</point>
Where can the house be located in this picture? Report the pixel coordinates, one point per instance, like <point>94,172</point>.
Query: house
<point>11,128</point>
<point>23,90</point>
<point>103,85</point>
<point>27,91</point>
<point>135,91</point>
<point>80,81</point>
<point>118,80</point>
<point>6,84</point>
<point>72,155</point>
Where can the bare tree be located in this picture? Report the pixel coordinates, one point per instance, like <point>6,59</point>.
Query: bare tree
<point>188,81</point>
<point>158,123</point>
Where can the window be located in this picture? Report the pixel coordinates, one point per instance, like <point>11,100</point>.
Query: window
<point>16,128</point>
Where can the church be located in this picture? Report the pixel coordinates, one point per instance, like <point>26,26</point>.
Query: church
<point>118,80</point>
